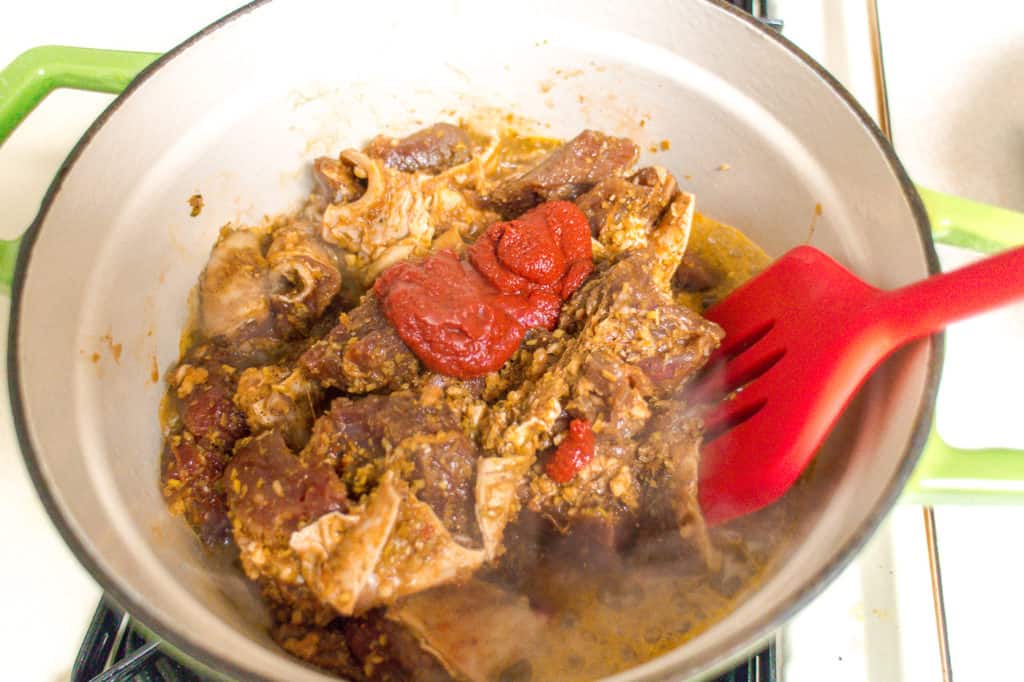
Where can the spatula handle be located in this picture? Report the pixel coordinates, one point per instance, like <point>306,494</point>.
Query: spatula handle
<point>928,306</point>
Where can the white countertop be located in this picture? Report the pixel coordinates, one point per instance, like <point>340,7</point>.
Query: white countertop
<point>956,79</point>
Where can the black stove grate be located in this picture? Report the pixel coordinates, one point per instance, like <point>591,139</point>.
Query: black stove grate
<point>114,650</point>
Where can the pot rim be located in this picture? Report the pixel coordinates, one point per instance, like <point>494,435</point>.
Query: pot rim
<point>739,641</point>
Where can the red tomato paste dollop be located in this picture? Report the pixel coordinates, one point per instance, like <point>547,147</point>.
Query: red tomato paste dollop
<point>572,453</point>
<point>466,317</point>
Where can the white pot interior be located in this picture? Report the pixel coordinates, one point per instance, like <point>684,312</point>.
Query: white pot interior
<point>237,116</point>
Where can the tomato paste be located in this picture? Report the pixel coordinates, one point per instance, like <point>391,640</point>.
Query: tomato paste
<point>466,317</point>
<point>572,453</point>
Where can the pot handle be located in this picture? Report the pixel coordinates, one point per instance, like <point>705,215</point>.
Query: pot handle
<point>947,474</point>
<point>37,72</point>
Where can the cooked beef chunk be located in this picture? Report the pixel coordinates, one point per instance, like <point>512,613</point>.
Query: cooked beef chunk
<point>335,180</point>
<point>238,355</point>
<point>623,212</point>
<point>666,341</point>
<point>275,398</point>
<point>389,652</point>
<point>611,395</point>
<point>603,493</point>
<point>233,292</point>
<point>621,344</point>
<point>294,603</point>
<point>477,630</point>
<point>304,275</point>
<point>534,542</point>
<point>204,427</point>
<point>271,493</point>
<point>323,646</point>
<point>566,173</point>
<point>389,546</point>
<point>694,275</point>
<point>418,435</point>
<point>201,395</point>
<point>190,478</point>
<point>430,509</point>
<point>667,469</point>
<point>446,463</point>
<point>348,438</point>
<point>363,353</point>
<point>431,150</point>
<point>621,312</point>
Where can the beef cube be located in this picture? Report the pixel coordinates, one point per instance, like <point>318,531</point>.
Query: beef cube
<point>430,150</point>
<point>363,353</point>
<point>271,493</point>
<point>566,173</point>
<point>190,479</point>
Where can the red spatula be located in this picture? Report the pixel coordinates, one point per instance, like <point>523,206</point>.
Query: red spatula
<point>800,339</point>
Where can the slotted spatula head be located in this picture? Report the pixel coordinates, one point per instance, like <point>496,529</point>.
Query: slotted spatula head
<point>801,337</point>
<point>797,346</point>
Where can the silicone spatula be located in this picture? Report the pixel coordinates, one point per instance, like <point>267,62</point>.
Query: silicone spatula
<point>801,337</point>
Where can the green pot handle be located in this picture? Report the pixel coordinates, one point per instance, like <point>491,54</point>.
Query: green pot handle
<point>946,474</point>
<point>35,73</point>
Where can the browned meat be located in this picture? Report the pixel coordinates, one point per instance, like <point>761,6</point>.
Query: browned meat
<point>668,342</point>
<point>201,395</point>
<point>190,478</point>
<point>611,394</point>
<point>389,652</point>
<point>620,311</point>
<point>477,630</point>
<point>271,493</point>
<point>667,469</point>
<point>379,525</point>
<point>335,181</point>
<point>204,427</point>
<point>348,438</point>
<point>693,274</point>
<point>622,212</point>
<point>276,398</point>
<point>566,173</point>
<point>304,275</point>
<point>417,434</point>
<point>251,352</point>
<point>622,344</point>
<point>233,298</point>
<point>323,646</point>
<point>389,546</point>
<point>363,353</point>
<point>431,150</point>
<point>430,509</point>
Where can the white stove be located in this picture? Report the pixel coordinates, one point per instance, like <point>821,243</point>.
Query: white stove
<point>955,75</point>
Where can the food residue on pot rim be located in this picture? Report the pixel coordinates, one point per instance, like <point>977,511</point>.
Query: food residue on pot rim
<point>115,348</point>
<point>195,203</point>
<point>814,222</point>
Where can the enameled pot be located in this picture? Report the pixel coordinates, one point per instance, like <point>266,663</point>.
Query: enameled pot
<point>237,112</point>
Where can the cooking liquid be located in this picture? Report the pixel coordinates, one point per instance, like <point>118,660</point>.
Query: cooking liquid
<point>604,620</point>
